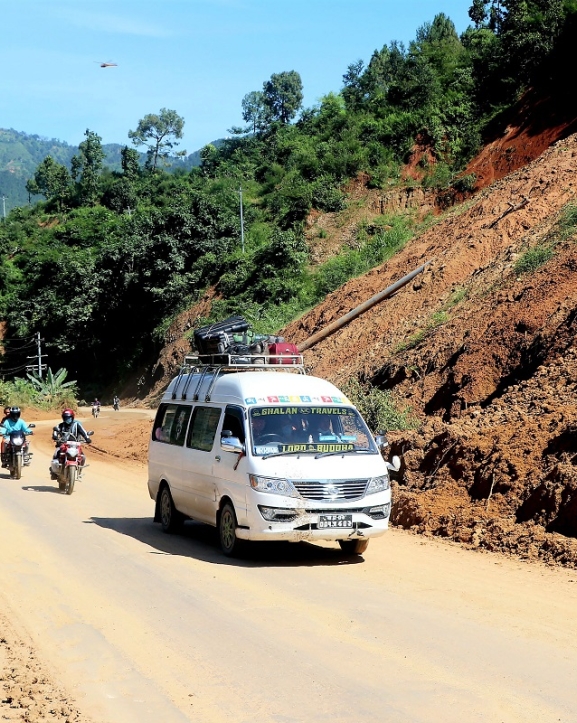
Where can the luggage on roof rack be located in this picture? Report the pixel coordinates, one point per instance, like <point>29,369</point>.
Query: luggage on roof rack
<point>216,338</point>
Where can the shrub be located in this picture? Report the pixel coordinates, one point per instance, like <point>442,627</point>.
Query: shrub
<point>378,408</point>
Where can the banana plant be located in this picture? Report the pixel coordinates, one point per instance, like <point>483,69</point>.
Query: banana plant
<point>53,386</point>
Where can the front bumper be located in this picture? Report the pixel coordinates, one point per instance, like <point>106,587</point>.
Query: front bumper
<point>306,527</point>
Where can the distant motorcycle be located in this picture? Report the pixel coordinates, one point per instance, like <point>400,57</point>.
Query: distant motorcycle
<point>116,406</point>
<point>95,411</point>
<point>69,463</point>
<point>17,453</point>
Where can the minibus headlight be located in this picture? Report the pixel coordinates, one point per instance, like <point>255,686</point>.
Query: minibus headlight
<point>273,485</point>
<point>378,484</point>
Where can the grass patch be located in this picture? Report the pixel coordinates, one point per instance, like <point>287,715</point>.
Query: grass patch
<point>532,259</point>
<point>378,408</point>
<point>437,319</point>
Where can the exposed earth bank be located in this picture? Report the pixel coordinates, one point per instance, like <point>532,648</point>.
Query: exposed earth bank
<point>481,347</point>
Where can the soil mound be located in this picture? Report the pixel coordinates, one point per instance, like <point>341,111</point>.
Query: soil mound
<point>483,349</point>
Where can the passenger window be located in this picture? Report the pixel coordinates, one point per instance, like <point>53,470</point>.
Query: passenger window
<point>234,422</point>
<point>179,425</point>
<point>203,428</point>
<point>170,424</point>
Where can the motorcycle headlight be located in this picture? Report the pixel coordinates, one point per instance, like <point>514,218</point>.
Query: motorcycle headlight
<point>378,484</point>
<point>72,451</point>
<point>17,441</point>
<point>273,485</point>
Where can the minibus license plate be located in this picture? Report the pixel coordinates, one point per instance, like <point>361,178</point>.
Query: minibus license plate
<point>335,521</point>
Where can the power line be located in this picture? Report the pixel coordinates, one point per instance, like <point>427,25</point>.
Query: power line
<point>11,350</point>
<point>16,338</point>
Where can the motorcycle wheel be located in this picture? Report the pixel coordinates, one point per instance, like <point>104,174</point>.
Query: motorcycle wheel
<point>70,476</point>
<point>17,470</point>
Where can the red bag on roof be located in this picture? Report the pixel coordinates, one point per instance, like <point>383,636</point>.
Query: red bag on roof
<point>284,352</point>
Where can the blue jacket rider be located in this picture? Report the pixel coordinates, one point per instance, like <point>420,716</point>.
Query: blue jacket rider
<point>12,423</point>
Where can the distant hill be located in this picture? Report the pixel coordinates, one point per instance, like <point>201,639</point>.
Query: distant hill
<point>21,153</point>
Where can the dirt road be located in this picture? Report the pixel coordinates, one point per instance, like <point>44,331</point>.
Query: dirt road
<point>117,622</point>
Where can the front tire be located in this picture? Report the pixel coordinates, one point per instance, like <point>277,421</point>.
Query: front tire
<point>170,518</point>
<point>70,479</point>
<point>17,473</point>
<point>353,547</point>
<point>229,542</point>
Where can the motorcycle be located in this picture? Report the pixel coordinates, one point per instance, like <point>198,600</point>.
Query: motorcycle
<point>69,462</point>
<point>17,453</point>
<point>95,411</point>
<point>115,406</point>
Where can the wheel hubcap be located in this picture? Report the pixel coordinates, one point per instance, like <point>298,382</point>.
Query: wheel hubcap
<point>227,530</point>
<point>165,509</point>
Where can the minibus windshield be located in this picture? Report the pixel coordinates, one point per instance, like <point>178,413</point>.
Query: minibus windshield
<point>291,429</point>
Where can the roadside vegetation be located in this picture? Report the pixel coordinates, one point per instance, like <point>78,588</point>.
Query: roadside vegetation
<point>51,392</point>
<point>108,258</point>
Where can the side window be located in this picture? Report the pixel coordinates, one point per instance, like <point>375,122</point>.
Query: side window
<point>179,425</point>
<point>234,422</point>
<point>170,423</point>
<point>202,428</point>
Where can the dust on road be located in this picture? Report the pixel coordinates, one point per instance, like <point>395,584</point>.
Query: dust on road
<point>108,619</point>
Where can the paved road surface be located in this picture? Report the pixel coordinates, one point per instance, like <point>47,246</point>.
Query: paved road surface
<point>142,626</point>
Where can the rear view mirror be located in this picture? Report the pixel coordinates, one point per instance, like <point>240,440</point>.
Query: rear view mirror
<point>394,464</point>
<point>32,425</point>
<point>231,444</point>
<point>91,433</point>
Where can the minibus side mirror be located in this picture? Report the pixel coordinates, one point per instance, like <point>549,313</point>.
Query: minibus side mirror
<point>228,443</point>
<point>395,464</point>
<point>381,440</point>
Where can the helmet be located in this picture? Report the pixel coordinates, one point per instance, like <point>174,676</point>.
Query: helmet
<point>68,416</point>
<point>15,414</point>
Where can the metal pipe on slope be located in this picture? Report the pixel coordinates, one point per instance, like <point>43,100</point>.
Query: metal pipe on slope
<point>358,310</point>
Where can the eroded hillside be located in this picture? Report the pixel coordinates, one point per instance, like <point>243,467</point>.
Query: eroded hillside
<point>481,346</point>
<point>485,354</point>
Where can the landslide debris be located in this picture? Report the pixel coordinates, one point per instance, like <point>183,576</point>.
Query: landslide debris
<point>484,351</point>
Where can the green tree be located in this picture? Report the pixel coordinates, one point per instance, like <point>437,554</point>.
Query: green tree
<point>283,95</point>
<point>255,110</point>
<point>160,133</point>
<point>52,180</point>
<point>87,167</point>
<point>130,163</point>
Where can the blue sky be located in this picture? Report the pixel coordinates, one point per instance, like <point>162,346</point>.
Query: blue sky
<point>198,57</point>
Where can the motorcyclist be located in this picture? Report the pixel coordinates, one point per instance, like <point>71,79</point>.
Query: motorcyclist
<point>12,423</point>
<point>69,429</point>
<point>115,403</point>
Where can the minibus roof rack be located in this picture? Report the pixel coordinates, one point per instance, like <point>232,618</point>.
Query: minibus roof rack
<point>215,365</point>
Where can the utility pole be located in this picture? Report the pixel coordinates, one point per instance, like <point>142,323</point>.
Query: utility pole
<point>39,356</point>
<point>241,220</point>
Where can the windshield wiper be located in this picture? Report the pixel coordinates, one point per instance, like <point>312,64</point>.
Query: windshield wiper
<point>294,451</point>
<point>343,452</point>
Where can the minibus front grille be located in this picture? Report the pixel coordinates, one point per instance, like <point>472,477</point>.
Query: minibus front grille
<point>333,490</point>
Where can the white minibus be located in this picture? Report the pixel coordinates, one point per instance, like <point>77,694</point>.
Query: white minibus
<point>266,454</point>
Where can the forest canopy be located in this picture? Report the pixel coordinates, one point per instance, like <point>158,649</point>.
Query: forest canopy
<point>107,259</point>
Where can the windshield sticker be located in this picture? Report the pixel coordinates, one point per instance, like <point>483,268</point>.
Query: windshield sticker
<point>304,399</point>
<point>316,447</point>
<point>269,411</point>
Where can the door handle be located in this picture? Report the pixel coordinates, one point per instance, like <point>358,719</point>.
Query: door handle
<point>217,458</point>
